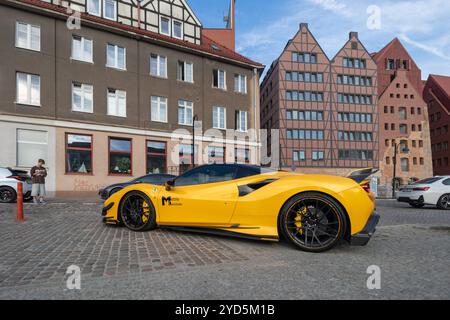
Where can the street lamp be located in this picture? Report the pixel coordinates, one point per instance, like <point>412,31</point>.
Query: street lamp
<point>405,150</point>
<point>195,118</point>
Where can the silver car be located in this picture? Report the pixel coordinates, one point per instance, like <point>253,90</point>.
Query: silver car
<point>432,191</point>
<point>8,184</point>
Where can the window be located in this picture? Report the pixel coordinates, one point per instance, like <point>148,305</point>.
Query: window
<point>216,155</point>
<point>28,89</point>
<point>185,153</point>
<point>242,155</point>
<point>241,121</point>
<point>164,26</point>
<point>304,57</point>
<point>158,66</point>
<point>82,49</point>
<point>94,7</point>
<point>110,9</point>
<point>115,57</point>
<point>117,103</point>
<point>78,154</point>
<point>28,36</point>
<point>185,71</point>
<point>219,118</point>
<point>177,27</point>
<point>185,112</point>
<point>219,79</point>
<point>31,145</point>
<point>299,155</point>
<point>405,164</point>
<point>390,65</point>
<point>355,154</point>
<point>318,155</point>
<point>207,174</point>
<point>120,155</point>
<point>402,112</point>
<point>156,157</point>
<point>240,83</point>
<point>82,98</point>
<point>159,109</point>
<point>403,128</point>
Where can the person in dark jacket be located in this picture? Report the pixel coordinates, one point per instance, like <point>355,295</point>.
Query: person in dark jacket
<point>38,174</point>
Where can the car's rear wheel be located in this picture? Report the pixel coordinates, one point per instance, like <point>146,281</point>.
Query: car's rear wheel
<point>444,202</point>
<point>312,221</point>
<point>7,194</point>
<point>137,212</point>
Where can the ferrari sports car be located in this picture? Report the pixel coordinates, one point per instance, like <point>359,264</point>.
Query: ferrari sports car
<point>313,212</point>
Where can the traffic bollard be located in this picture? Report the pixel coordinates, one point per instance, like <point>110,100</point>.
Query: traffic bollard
<point>19,216</point>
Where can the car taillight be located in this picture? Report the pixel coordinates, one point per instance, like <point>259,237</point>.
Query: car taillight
<point>18,178</point>
<point>366,187</point>
<point>422,189</point>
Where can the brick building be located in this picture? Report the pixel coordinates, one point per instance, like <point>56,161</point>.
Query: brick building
<point>99,102</point>
<point>403,118</point>
<point>437,96</point>
<point>326,110</point>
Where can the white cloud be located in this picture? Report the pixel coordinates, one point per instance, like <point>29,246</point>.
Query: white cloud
<point>428,48</point>
<point>334,6</point>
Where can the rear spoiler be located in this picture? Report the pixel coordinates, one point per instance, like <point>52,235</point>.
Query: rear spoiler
<point>361,174</point>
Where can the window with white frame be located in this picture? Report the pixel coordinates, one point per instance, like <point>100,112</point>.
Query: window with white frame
<point>117,103</point>
<point>185,71</point>
<point>28,89</point>
<point>158,65</point>
<point>159,109</point>
<point>240,83</point>
<point>164,25</point>
<point>81,49</point>
<point>115,56</point>
<point>219,79</point>
<point>28,36</point>
<point>219,118</point>
<point>94,7</point>
<point>31,145</point>
<point>185,112</point>
<point>241,121</point>
<point>82,97</point>
<point>110,9</point>
<point>177,29</point>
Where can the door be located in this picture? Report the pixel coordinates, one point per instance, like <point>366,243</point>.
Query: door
<point>203,197</point>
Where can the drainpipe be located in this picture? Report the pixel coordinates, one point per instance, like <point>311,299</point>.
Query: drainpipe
<point>256,114</point>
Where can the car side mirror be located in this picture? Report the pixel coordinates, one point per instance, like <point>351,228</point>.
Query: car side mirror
<point>169,185</point>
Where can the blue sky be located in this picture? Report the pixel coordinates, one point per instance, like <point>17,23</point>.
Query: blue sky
<point>264,26</point>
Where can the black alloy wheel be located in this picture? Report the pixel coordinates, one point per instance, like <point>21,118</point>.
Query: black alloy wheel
<point>137,212</point>
<point>444,202</point>
<point>7,195</point>
<point>314,222</point>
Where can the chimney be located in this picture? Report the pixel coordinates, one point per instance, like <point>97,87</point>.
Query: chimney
<point>303,25</point>
<point>353,34</point>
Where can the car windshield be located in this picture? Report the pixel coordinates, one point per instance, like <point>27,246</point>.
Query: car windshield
<point>428,181</point>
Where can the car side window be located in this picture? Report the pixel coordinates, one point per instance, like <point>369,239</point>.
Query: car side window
<point>206,175</point>
<point>446,182</point>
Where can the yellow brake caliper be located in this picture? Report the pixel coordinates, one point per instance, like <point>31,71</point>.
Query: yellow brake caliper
<point>298,219</point>
<point>146,211</point>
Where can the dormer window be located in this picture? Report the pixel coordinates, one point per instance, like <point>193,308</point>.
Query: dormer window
<point>177,27</point>
<point>164,26</point>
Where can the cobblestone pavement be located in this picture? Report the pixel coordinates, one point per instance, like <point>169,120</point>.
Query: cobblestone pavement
<point>411,246</point>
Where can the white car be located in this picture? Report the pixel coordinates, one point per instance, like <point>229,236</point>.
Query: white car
<point>8,184</point>
<point>432,191</point>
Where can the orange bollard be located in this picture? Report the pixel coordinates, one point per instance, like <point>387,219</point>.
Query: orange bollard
<point>19,216</point>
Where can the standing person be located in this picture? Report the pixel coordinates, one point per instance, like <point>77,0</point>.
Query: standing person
<point>38,174</point>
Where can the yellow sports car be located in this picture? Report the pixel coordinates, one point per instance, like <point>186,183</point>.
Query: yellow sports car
<point>314,212</point>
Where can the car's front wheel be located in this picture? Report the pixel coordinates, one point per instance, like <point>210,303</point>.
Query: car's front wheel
<point>137,212</point>
<point>7,195</point>
<point>444,202</point>
<point>312,221</point>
